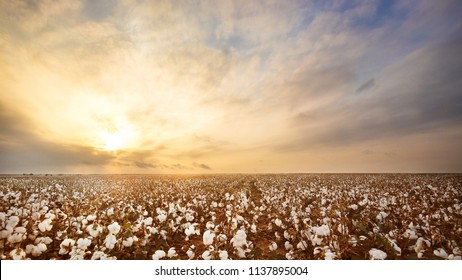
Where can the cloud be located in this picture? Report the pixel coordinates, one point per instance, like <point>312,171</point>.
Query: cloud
<point>201,165</point>
<point>144,165</point>
<point>366,86</point>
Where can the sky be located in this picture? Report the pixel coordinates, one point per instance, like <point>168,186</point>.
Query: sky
<point>137,86</point>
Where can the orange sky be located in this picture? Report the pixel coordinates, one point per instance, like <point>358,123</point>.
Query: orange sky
<point>237,86</point>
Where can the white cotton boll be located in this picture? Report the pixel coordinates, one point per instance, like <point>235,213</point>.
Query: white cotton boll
<point>16,238</point>
<point>421,245</point>
<point>223,255</point>
<point>239,239</point>
<point>93,230</point>
<point>273,246</point>
<point>276,234</point>
<point>35,250</point>
<point>302,245</point>
<point>323,230</point>
<point>172,253</point>
<point>18,254</point>
<point>110,241</point>
<point>240,252</point>
<point>290,255</point>
<point>45,225</point>
<point>440,252</point>
<point>253,228</point>
<point>316,240</point>
<point>4,234</point>
<point>208,237</point>
<point>317,250</point>
<point>329,255</point>
<point>162,217</point>
<point>278,222</point>
<point>66,246</point>
<point>159,254</point>
<point>288,246</point>
<point>381,216</point>
<point>41,247</point>
<point>353,207</point>
<point>29,248</point>
<point>83,243</point>
<point>206,255</point>
<point>376,254</point>
<point>148,221</point>
<point>114,228</point>
<point>98,255</point>
<point>210,225</point>
<point>110,211</point>
<point>13,221</point>
<point>20,230</point>
<point>287,235</point>
<point>396,248</point>
<point>153,230</point>
<point>128,242</point>
<point>84,222</point>
<point>91,218</point>
<point>190,253</point>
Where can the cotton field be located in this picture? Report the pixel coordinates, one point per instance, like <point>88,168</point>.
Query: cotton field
<point>221,217</point>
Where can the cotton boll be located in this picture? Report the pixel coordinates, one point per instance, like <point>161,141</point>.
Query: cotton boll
<point>110,241</point>
<point>4,234</point>
<point>440,253</point>
<point>18,254</point>
<point>329,255</point>
<point>322,230</point>
<point>206,255</point>
<point>162,217</point>
<point>353,207</point>
<point>190,252</point>
<point>98,255</point>
<point>114,228</point>
<point>66,246</point>
<point>41,247</point>
<point>208,237</point>
<point>288,246</point>
<point>128,242</point>
<point>273,246</point>
<point>381,216</point>
<point>45,225</point>
<point>376,254</point>
<point>278,222</point>
<point>302,245</point>
<point>172,253</point>
<point>210,225</point>
<point>239,239</point>
<point>253,228</point>
<point>148,221</point>
<point>16,238</point>
<point>91,218</point>
<point>223,255</point>
<point>83,243</point>
<point>159,254</point>
<point>94,230</point>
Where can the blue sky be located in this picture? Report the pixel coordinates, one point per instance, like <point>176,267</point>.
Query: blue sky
<point>230,86</point>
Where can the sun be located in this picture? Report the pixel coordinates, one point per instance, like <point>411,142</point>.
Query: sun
<point>113,141</point>
<point>117,139</point>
